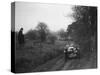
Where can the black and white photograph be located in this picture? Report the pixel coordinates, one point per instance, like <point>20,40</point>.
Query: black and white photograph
<point>48,37</point>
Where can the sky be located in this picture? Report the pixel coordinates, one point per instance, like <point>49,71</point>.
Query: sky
<point>56,16</point>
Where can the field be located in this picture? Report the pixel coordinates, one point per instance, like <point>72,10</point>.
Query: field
<point>33,54</point>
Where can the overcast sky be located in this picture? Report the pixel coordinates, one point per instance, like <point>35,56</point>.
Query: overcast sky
<point>28,15</point>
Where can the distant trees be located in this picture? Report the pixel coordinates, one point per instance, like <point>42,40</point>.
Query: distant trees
<point>41,33</point>
<point>52,38</point>
<point>62,34</point>
<point>32,34</point>
<point>43,30</point>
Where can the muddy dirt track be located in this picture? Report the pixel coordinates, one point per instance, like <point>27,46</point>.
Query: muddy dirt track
<point>59,63</point>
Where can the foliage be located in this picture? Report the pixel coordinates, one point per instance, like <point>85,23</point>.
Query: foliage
<point>32,35</point>
<point>88,16</point>
<point>62,34</point>
<point>43,30</point>
<point>52,38</point>
<point>85,26</point>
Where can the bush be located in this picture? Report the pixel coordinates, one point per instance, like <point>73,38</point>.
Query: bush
<point>32,35</point>
<point>52,38</point>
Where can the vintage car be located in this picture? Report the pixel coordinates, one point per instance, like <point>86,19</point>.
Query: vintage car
<point>71,52</point>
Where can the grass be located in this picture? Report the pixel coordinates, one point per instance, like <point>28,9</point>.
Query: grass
<point>31,56</point>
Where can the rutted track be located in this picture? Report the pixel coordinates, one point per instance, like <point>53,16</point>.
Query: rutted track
<point>60,64</point>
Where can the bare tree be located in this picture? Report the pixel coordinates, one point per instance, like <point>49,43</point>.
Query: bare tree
<point>43,30</point>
